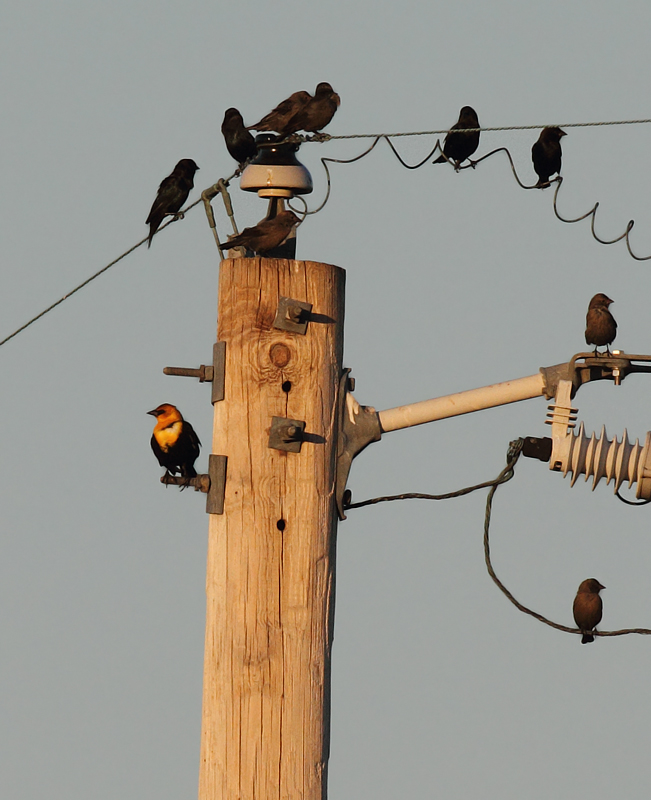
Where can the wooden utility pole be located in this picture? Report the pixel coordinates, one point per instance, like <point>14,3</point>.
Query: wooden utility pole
<point>271,554</point>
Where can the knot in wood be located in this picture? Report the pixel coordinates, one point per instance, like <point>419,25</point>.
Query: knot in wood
<point>280,355</point>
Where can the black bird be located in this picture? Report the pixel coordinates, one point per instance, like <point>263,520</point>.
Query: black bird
<point>459,145</point>
<point>266,234</point>
<point>239,142</point>
<point>174,442</point>
<point>172,193</point>
<point>317,113</point>
<point>600,325</point>
<point>587,608</point>
<point>278,119</point>
<point>546,154</point>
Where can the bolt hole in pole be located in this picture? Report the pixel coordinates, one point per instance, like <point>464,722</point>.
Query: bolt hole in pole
<point>281,524</point>
<point>286,387</point>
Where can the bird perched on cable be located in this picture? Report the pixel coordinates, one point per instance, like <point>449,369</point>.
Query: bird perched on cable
<point>317,113</point>
<point>587,608</point>
<point>266,234</point>
<point>239,142</point>
<point>278,119</point>
<point>174,442</point>
<point>459,143</point>
<point>172,193</point>
<point>546,154</point>
<point>600,325</point>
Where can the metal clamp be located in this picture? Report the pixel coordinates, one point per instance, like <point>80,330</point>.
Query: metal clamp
<point>214,374</point>
<point>286,434</point>
<point>292,315</point>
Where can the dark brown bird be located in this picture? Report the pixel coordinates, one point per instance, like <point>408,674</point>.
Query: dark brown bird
<point>174,442</point>
<point>172,193</point>
<point>266,234</point>
<point>239,142</point>
<point>317,113</point>
<point>546,154</point>
<point>459,145</point>
<point>600,325</point>
<point>587,608</point>
<point>278,119</point>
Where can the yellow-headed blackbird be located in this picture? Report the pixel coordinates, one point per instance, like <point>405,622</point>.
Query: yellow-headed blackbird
<point>174,442</point>
<point>266,234</point>
<point>317,113</point>
<point>546,154</point>
<point>600,325</point>
<point>459,145</point>
<point>172,193</point>
<point>278,119</point>
<point>239,142</point>
<point>587,608</point>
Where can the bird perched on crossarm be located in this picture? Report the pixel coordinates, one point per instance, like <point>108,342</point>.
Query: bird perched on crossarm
<point>172,193</point>
<point>460,143</point>
<point>587,608</point>
<point>278,119</point>
<point>266,234</point>
<point>317,112</point>
<point>546,154</point>
<point>239,142</point>
<point>600,325</point>
<point>174,442</point>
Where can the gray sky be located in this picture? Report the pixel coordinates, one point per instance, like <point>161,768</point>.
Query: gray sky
<point>441,688</point>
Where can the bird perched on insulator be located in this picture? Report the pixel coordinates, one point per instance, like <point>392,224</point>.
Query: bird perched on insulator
<point>461,143</point>
<point>172,193</point>
<point>239,142</point>
<point>278,119</point>
<point>317,112</point>
<point>174,442</point>
<point>546,155</point>
<point>588,608</point>
<point>266,235</point>
<point>600,325</point>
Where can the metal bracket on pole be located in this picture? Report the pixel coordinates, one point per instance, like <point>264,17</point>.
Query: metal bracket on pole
<point>358,427</point>
<point>286,434</point>
<point>204,373</point>
<point>217,487</point>
<point>292,315</point>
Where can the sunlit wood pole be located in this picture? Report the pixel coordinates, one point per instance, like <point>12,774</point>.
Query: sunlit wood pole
<point>271,555</point>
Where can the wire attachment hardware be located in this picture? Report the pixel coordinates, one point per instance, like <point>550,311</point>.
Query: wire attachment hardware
<point>205,373</point>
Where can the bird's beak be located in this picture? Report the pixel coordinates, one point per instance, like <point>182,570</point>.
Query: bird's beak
<point>601,587</point>
<point>154,413</point>
<point>563,133</point>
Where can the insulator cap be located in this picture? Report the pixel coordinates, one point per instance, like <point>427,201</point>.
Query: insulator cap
<point>275,171</point>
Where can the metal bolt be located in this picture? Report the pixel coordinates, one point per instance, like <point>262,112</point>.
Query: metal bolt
<point>293,314</point>
<point>291,431</point>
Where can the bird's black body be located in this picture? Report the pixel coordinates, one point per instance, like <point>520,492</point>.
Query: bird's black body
<point>239,142</point>
<point>461,144</point>
<point>266,235</point>
<point>587,608</point>
<point>174,441</point>
<point>600,325</point>
<point>172,193</point>
<point>279,119</point>
<point>546,154</point>
<point>317,113</point>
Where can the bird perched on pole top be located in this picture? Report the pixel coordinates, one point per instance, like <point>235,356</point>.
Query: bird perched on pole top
<point>600,325</point>
<point>174,442</point>
<point>266,235</point>
<point>278,119</point>
<point>317,113</point>
<point>460,143</point>
<point>172,193</point>
<point>546,154</point>
<point>587,608</point>
<point>239,142</point>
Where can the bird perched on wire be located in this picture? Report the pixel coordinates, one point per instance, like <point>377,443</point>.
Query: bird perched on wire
<point>460,143</point>
<point>266,234</point>
<point>239,142</point>
<point>317,112</point>
<point>278,119</point>
<point>546,154</point>
<point>600,325</point>
<point>587,608</point>
<point>172,193</point>
<point>174,442</point>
